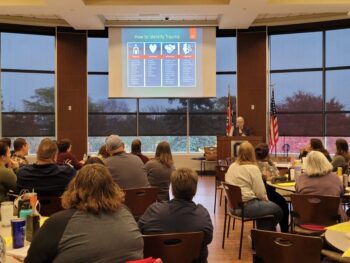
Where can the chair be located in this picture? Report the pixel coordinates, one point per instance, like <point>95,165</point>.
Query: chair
<point>139,199</point>
<point>274,247</point>
<point>49,205</point>
<point>313,213</point>
<point>221,169</point>
<point>233,201</point>
<point>175,247</point>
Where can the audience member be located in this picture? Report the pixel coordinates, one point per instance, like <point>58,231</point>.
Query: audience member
<point>7,141</point>
<point>8,177</point>
<point>65,155</point>
<point>136,150</point>
<point>21,148</point>
<point>269,171</point>
<point>315,145</point>
<point>342,155</point>
<point>160,169</point>
<point>96,227</point>
<point>318,178</point>
<point>180,214</point>
<point>45,177</point>
<point>127,169</point>
<point>94,159</point>
<point>103,153</point>
<point>240,129</point>
<point>245,173</point>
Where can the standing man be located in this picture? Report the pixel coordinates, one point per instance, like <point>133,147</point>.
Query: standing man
<point>241,130</point>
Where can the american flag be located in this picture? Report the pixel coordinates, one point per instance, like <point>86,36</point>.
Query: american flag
<point>273,123</point>
<point>229,124</point>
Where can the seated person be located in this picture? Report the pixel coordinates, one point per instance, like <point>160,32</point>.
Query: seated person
<point>103,153</point>
<point>245,173</point>
<point>180,214</point>
<point>269,171</point>
<point>136,150</point>
<point>318,178</point>
<point>96,227</point>
<point>45,177</point>
<point>65,155</point>
<point>8,177</point>
<point>127,170</point>
<point>21,148</point>
<point>315,145</point>
<point>342,155</point>
<point>240,129</point>
<point>160,169</point>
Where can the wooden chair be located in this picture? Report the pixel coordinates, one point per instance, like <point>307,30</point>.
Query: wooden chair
<point>175,247</point>
<point>221,169</point>
<point>312,213</point>
<point>139,199</point>
<point>274,247</point>
<point>49,205</point>
<point>233,201</point>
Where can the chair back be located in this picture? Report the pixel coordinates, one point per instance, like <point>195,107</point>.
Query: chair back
<point>315,209</point>
<point>233,195</point>
<point>49,205</point>
<point>274,247</point>
<point>139,199</point>
<point>221,169</point>
<point>175,247</point>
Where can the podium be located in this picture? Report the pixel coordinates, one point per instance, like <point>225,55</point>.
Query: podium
<point>226,145</point>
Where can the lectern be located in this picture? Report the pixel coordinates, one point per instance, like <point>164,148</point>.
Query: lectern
<point>226,145</point>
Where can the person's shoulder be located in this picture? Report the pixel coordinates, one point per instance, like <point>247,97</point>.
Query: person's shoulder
<point>64,215</point>
<point>64,168</point>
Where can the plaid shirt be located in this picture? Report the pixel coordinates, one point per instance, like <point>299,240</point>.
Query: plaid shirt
<point>21,160</point>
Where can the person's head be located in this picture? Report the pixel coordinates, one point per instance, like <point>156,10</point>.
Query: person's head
<point>262,151</point>
<point>114,144</point>
<point>5,154</point>
<point>240,122</point>
<point>93,190</point>
<point>21,146</point>
<point>136,146</point>
<point>184,183</point>
<point>246,154</point>
<point>6,141</point>
<point>317,164</point>
<point>103,151</point>
<point>47,151</point>
<point>342,147</point>
<point>316,145</point>
<point>64,145</point>
<point>92,160</point>
<point>163,154</point>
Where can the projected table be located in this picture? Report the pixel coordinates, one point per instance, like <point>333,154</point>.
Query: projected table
<point>161,64</point>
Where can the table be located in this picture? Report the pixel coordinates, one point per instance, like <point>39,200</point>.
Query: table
<point>203,163</point>
<point>339,240</point>
<point>280,186</point>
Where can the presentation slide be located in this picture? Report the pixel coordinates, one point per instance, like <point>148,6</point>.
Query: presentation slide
<point>158,62</point>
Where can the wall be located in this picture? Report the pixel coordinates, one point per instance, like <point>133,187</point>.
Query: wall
<point>252,79</point>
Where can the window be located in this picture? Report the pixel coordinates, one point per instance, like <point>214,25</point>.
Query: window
<point>27,86</point>
<point>311,86</point>
<point>187,124</point>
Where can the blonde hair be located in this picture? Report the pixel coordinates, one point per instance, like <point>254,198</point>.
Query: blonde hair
<point>93,190</point>
<point>317,164</point>
<point>184,183</point>
<point>163,154</point>
<point>246,154</point>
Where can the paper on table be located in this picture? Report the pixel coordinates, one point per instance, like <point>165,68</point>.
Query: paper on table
<point>342,227</point>
<point>286,184</point>
<point>19,253</point>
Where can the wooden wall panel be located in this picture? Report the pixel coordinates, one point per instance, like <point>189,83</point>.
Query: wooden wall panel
<point>71,97</point>
<point>252,80</point>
